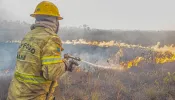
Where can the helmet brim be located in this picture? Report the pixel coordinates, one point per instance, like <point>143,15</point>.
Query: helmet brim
<point>34,15</point>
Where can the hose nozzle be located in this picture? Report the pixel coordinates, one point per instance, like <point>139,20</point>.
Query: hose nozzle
<point>67,56</point>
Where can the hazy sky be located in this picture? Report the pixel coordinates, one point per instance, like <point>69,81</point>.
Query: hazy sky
<point>106,14</point>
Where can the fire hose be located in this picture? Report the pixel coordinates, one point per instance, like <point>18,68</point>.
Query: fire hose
<point>68,56</point>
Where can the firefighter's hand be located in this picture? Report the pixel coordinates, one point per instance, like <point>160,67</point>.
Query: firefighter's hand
<point>70,65</point>
<point>66,56</point>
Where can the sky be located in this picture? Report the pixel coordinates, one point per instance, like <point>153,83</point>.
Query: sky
<point>102,14</point>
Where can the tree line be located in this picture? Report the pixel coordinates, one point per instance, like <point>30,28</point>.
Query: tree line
<point>10,30</point>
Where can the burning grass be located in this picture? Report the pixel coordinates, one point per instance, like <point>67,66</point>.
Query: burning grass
<point>152,79</point>
<point>149,75</point>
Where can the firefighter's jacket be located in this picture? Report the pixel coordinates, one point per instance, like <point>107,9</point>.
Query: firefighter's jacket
<point>38,66</point>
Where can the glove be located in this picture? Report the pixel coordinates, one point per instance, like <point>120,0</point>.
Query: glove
<point>70,65</point>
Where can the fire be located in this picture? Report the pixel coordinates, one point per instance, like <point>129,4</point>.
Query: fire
<point>165,57</point>
<point>160,55</point>
<point>164,54</point>
<point>158,58</point>
<point>93,43</point>
<point>102,43</point>
<point>155,48</point>
<point>113,43</point>
<point>132,63</point>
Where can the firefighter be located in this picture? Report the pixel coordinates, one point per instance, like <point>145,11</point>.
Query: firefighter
<point>39,63</point>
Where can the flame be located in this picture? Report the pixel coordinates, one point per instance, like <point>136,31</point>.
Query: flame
<point>158,58</point>
<point>162,55</point>
<point>93,43</point>
<point>102,43</point>
<point>132,63</point>
<point>154,48</point>
<point>113,43</point>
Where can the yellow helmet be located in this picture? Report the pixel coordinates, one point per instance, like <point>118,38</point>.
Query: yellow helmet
<point>47,8</point>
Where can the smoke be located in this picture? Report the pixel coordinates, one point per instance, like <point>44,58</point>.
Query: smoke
<point>4,13</point>
<point>13,10</point>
